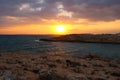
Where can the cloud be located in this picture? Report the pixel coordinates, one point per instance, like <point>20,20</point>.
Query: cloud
<point>25,7</point>
<point>62,12</point>
<point>102,10</point>
<point>93,10</point>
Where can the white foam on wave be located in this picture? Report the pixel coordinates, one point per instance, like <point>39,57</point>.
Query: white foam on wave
<point>37,40</point>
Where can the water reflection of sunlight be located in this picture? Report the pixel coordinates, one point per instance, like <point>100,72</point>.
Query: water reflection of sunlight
<point>62,48</point>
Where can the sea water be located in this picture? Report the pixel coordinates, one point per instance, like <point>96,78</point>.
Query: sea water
<point>32,44</point>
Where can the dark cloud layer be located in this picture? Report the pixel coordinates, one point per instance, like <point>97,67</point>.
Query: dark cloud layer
<point>100,10</point>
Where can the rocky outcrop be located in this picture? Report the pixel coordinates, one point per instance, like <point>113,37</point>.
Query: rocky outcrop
<point>21,66</point>
<point>87,38</point>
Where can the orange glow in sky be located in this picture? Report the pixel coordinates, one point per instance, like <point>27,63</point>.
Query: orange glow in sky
<point>42,16</point>
<point>87,27</point>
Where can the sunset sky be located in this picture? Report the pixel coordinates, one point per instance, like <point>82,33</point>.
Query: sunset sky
<point>42,16</point>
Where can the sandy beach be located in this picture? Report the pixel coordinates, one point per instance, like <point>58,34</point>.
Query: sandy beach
<point>26,66</point>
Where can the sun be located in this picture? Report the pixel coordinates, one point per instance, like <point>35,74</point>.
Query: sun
<point>60,29</point>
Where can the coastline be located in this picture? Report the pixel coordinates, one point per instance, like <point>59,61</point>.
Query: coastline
<point>86,38</point>
<point>25,66</point>
<point>75,41</point>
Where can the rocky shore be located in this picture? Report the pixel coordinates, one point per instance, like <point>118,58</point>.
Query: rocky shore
<point>26,66</point>
<point>87,38</point>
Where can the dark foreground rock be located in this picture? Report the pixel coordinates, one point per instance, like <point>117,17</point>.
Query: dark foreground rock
<point>21,66</point>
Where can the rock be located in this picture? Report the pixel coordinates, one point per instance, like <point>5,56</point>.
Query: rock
<point>74,76</point>
<point>52,65</point>
<point>89,78</point>
<point>44,57</point>
<point>7,75</point>
<point>112,65</point>
<point>43,71</point>
<point>100,79</point>
<point>51,76</point>
<point>84,65</point>
<point>92,72</point>
<point>35,71</point>
<point>58,61</point>
<point>25,69</point>
<point>98,65</point>
<point>32,59</point>
<point>72,64</point>
<point>86,38</point>
<point>115,73</point>
<point>18,61</point>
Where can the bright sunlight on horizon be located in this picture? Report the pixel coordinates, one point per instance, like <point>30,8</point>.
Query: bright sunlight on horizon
<point>41,16</point>
<point>61,29</point>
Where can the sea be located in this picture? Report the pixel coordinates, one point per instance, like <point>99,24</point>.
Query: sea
<point>32,44</point>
